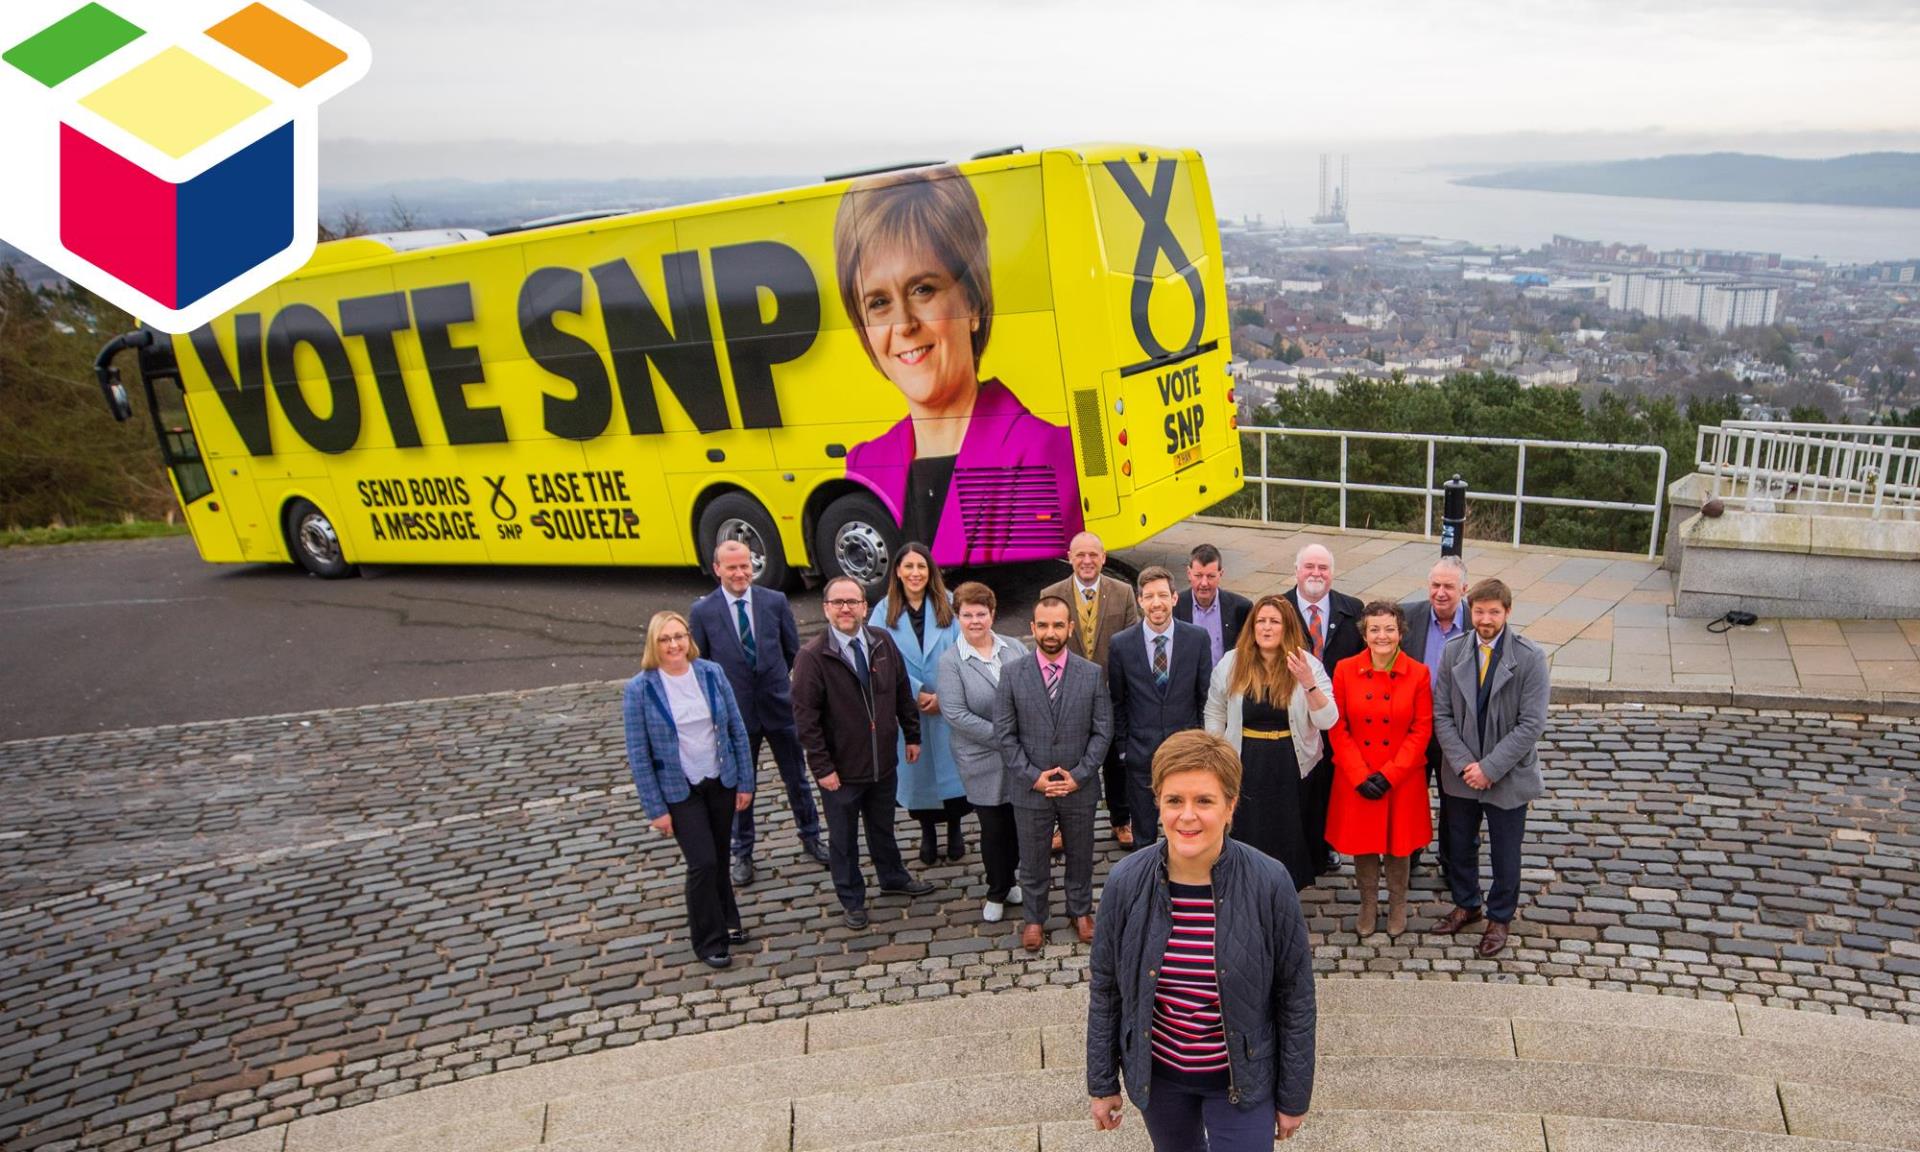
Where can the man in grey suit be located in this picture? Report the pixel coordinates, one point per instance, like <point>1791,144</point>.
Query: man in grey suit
<point>1432,622</point>
<point>1490,712</point>
<point>1054,721</point>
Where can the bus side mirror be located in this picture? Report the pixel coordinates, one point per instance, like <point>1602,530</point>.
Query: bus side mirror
<point>118,402</point>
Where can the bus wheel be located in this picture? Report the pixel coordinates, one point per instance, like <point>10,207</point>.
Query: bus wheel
<point>314,543</point>
<point>856,538</point>
<point>739,517</point>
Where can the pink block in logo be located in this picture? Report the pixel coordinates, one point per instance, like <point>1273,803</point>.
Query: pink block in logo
<point>118,216</point>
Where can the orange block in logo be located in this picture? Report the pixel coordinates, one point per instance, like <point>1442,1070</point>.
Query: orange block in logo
<point>278,44</point>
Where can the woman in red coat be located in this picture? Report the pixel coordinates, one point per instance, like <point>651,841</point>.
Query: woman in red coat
<point>1379,805</point>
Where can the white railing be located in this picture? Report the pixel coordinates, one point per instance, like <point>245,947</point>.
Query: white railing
<point>1518,497</point>
<point>1760,466</point>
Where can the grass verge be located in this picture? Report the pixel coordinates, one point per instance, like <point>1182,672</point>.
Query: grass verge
<point>70,534</point>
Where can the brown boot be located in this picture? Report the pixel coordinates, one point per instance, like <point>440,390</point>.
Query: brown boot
<point>1397,869</point>
<point>1366,873</point>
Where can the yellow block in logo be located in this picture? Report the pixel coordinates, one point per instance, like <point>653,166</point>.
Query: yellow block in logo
<point>175,102</point>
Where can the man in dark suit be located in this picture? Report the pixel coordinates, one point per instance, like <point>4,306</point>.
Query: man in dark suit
<point>750,633</point>
<point>1431,623</point>
<point>1206,605</point>
<point>1490,713</point>
<point>855,710</point>
<point>1157,672</point>
<point>1331,621</point>
<point>1102,606</point>
<point>1053,720</point>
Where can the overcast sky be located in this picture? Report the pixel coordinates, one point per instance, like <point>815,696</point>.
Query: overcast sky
<point>754,85</point>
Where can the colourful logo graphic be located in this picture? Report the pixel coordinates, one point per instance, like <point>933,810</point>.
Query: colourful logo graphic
<point>167,149</point>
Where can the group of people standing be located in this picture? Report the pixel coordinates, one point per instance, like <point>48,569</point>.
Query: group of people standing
<point>1340,713</point>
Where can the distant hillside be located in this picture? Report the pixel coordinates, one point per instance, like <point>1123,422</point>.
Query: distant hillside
<point>32,271</point>
<point>1866,180</point>
<point>496,204</point>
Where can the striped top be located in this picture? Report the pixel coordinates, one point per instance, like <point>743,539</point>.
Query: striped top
<point>1189,1042</point>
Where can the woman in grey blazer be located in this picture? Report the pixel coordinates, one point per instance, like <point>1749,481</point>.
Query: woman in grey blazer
<point>968,682</point>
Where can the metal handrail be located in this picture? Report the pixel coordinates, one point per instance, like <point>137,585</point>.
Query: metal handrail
<point>1760,465</point>
<point>1518,497</point>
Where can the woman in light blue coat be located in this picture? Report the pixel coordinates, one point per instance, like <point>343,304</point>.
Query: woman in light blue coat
<point>917,612</point>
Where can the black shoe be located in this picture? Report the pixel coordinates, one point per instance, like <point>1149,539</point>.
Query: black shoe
<point>912,888</point>
<point>811,846</point>
<point>855,917</point>
<point>737,936</point>
<point>956,843</point>
<point>929,845</point>
<point>721,961</point>
<point>742,872</point>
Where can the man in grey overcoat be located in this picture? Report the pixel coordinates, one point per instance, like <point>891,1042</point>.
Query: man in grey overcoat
<point>1489,714</point>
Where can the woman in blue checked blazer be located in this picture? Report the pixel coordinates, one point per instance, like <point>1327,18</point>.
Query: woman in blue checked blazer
<point>687,747</point>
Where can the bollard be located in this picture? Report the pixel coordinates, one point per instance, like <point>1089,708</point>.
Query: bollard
<point>1453,517</point>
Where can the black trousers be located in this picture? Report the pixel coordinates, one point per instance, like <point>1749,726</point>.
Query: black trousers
<point>1460,831</point>
<point>1436,761</point>
<point>849,807</point>
<point>791,760</point>
<point>1316,794</point>
<point>1146,813</point>
<point>1113,781</point>
<point>701,824</point>
<point>999,848</point>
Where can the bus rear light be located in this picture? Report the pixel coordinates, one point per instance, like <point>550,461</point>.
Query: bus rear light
<point>1123,437</point>
<point>1126,467</point>
<point>1232,397</point>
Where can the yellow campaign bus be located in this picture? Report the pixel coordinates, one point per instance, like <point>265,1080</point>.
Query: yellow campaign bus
<point>986,357</point>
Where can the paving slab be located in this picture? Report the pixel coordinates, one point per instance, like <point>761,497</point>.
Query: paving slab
<point>1835,1066</point>
<point>1327,1130</point>
<point>1836,1114</point>
<point>1434,1001</point>
<point>1588,1134</point>
<point>999,1100</point>
<point>502,1131</point>
<point>1899,1041</point>
<point>1535,1087</point>
<point>1344,1035</point>
<point>1019,1138</point>
<point>949,1016</point>
<point>762,1127</point>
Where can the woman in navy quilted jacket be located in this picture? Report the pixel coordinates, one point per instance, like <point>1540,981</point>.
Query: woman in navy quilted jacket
<point>687,746</point>
<point>1202,993</point>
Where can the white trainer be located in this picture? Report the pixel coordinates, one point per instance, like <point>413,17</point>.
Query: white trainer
<point>1015,896</point>
<point>993,911</point>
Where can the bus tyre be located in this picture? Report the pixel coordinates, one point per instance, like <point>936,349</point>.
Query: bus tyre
<point>856,537</point>
<point>314,543</point>
<point>737,516</point>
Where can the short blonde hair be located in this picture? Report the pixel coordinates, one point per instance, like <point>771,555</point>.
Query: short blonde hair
<point>932,209</point>
<point>650,655</point>
<point>1197,750</point>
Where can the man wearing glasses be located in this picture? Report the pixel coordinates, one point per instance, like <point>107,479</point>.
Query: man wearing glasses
<point>852,703</point>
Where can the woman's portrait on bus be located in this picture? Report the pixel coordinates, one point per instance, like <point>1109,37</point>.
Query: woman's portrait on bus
<point>969,469</point>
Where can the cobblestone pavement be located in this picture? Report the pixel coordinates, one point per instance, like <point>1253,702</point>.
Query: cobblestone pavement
<point>211,928</point>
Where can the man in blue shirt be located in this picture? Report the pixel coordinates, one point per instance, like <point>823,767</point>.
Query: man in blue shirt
<point>1430,624</point>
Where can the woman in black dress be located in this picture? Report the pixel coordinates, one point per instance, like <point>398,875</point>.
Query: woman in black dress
<point>1271,700</point>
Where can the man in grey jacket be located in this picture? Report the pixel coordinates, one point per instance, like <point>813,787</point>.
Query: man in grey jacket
<point>1053,718</point>
<point>1489,714</point>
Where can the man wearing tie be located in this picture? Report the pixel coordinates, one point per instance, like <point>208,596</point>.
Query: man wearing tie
<point>1490,714</point>
<point>855,710</point>
<point>1219,613</point>
<point>1101,607</point>
<point>1331,622</point>
<point>1432,623</point>
<point>1158,674</point>
<point>750,633</point>
<point>1053,719</point>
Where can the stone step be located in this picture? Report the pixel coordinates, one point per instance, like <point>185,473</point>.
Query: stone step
<point>906,1066</point>
<point>498,1130</point>
<point>1488,1038</point>
<point>1782,1059</point>
<point>1441,998</point>
<point>1358,1131</point>
<point>1000,1011</point>
<point>763,1127</point>
<point>1343,1083</point>
<point>1588,1134</point>
<point>1837,1114</point>
<point>1886,1038</point>
<point>539,1083</point>
<point>1019,1138</point>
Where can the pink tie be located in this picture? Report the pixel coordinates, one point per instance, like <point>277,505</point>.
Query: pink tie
<point>1313,625</point>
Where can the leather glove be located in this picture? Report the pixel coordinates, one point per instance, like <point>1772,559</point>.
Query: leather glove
<point>1373,787</point>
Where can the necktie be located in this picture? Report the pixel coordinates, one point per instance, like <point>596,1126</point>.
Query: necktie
<point>1160,661</point>
<point>746,630</point>
<point>1313,625</point>
<point>1087,595</point>
<point>1486,661</point>
<point>859,661</point>
<point>1053,680</point>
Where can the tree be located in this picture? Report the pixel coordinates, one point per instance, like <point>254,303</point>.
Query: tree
<point>1244,317</point>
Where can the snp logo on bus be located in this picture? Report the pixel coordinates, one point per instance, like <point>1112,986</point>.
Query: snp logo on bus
<point>164,153</point>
